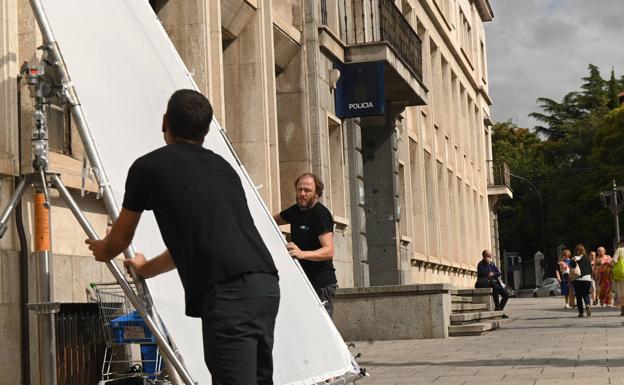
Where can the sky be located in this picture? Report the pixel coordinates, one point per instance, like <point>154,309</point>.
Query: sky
<point>541,48</point>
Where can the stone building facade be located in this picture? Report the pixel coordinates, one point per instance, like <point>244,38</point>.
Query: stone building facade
<point>412,190</point>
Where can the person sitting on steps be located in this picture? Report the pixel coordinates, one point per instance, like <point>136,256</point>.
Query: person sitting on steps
<point>488,276</point>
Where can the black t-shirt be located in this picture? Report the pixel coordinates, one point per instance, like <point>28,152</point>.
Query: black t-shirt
<point>305,228</point>
<point>202,213</point>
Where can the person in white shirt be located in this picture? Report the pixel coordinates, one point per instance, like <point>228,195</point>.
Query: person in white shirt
<point>580,275</point>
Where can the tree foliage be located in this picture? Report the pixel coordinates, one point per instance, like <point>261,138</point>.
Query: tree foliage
<point>574,154</point>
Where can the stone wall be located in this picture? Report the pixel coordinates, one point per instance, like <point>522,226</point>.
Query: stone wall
<point>393,312</point>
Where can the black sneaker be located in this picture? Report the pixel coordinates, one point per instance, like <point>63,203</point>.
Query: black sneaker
<point>580,315</point>
<point>588,310</point>
<point>504,316</point>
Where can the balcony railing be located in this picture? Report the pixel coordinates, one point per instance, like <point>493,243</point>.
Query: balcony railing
<point>498,174</point>
<point>374,21</point>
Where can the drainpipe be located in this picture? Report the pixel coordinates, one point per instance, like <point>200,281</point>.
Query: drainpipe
<point>23,254</point>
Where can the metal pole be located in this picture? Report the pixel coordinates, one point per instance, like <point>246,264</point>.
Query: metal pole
<point>132,296</point>
<point>348,378</point>
<point>45,296</point>
<point>15,199</point>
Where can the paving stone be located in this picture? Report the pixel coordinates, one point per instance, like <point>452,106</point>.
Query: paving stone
<point>566,381</point>
<point>542,345</point>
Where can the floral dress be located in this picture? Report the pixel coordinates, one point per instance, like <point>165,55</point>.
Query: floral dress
<point>604,280</point>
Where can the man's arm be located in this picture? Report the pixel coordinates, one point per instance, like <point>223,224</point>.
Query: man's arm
<point>153,267</point>
<point>325,253</point>
<point>118,239</point>
<point>280,221</point>
<point>496,273</point>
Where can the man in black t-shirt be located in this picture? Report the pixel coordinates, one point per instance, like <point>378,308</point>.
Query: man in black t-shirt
<point>312,235</point>
<point>228,275</point>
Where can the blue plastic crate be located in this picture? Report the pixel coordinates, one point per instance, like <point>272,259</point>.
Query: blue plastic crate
<point>149,355</point>
<point>131,329</point>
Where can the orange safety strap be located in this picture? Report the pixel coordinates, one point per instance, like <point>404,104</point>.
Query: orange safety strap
<point>42,224</point>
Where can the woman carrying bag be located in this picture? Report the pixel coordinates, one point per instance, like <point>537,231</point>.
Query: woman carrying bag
<point>618,276</point>
<point>580,275</point>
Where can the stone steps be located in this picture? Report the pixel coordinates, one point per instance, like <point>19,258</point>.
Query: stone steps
<point>463,318</point>
<point>470,315</point>
<point>470,292</point>
<point>474,329</point>
<point>468,307</point>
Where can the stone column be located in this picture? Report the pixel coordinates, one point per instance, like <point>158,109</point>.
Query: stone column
<point>361,276</point>
<point>379,151</point>
<point>8,88</point>
<point>188,26</point>
<point>294,133</point>
<point>250,102</point>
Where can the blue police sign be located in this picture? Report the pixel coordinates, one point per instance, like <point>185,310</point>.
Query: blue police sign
<point>360,90</point>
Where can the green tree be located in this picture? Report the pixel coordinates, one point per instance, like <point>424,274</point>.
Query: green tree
<point>613,89</point>
<point>573,155</point>
<point>593,96</point>
<point>556,115</point>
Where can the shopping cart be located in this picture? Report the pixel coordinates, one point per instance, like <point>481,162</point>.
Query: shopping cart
<point>131,349</point>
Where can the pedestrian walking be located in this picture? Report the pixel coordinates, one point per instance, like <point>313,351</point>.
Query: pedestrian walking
<point>580,276</point>
<point>618,276</point>
<point>596,277</point>
<point>592,290</point>
<point>563,277</point>
<point>604,276</point>
<point>567,257</point>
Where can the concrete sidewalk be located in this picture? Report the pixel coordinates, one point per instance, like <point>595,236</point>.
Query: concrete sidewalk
<point>543,344</point>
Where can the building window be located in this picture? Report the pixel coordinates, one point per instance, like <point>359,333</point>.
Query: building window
<point>454,218</point>
<point>332,16</point>
<point>432,212</point>
<point>404,215</point>
<point>336,166</point>
<point>444,6</point>
<point>466,40</point>
<point>425,129</point>
<point>483,63</point>
<point>438,145</point>
<point>478,138</point>
<point>418,199</point>
<point>464,119</point>
<point>436,85</point>
<point>471,129</point>
<point>456,117</point>
<point>444,95</point>
<point>463,213</point>
<point>443,210</point>
<point>59,129</point>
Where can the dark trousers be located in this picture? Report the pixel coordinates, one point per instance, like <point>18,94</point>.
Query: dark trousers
<point>238,319</point>
<point>581,292</point>
<point>327,295</point>
<point>497,290</point>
